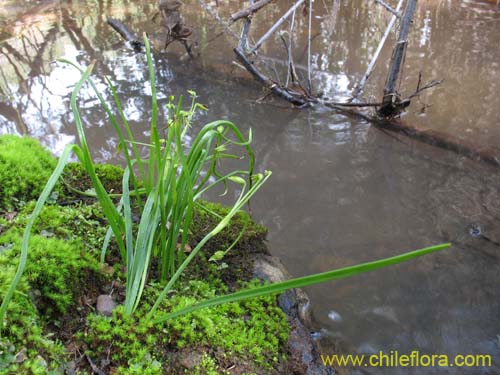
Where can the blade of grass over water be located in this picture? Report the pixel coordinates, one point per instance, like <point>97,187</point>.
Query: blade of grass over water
<point>303,281</point>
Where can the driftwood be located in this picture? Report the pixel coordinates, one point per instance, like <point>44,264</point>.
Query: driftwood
<point>392,104</point>
<point>126,34</point>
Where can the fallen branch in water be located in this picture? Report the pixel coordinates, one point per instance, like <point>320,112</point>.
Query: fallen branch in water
<point>126,34</point>
<point>392,105</point>
<point>299,97</point>
<point>173,23</point>
<point>361,85</point>
<point>267,82</point>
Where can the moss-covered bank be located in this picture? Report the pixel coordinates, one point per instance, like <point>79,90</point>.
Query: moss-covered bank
<point>52,326</point>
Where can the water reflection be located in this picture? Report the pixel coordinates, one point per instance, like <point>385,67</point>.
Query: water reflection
<point>342,192</point>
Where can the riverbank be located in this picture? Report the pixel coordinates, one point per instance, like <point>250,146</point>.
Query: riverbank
<point>67,317</point>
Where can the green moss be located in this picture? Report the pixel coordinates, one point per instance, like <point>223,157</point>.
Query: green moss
<point>208,366</point>
<point>61,263</point>
<point>24,348</point>
<point>68,223</point>
<point>25,167</point>
<point>75,176</point>
<point>207,215</point>
<point>54,271</point>
<point>253,330</point>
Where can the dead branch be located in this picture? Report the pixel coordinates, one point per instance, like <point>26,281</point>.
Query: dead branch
<point>126,34</point>
<point>276,25</point>
<point>268,83</point>
<point>248,11</point>
<point>243,45</point>
<point>297,96</point>
<point>389,8</point>
<point>391,105</point>
<point>428,85</point>
<point>309,82</point>
<point>361,85</point>
<point>340,104</point>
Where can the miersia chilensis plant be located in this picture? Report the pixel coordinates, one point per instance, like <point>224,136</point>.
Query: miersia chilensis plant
<point>165,187</point>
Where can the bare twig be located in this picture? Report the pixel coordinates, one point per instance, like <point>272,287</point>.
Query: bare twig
<point>428,85</point>
<point>276,25</point>
<point>309,84</point>
<point>395,12</point>
<point>94,368</point>
<point>243,45</point>
<point>340,104</point>
<point>253,8</point>
<point>290,73</point>
<point>361,85</point>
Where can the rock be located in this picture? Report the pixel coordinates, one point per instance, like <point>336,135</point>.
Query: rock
<point>107,269</point>
<point>21,356</point>
<point>304,353</point>
<point>188,358</point>
<point>105,305</point>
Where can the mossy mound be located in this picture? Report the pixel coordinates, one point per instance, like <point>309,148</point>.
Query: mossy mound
<point>25,168</point>
<point>60,279</point>
<point>50,286</point>
<point>250,333</point>
<point>52,320</point>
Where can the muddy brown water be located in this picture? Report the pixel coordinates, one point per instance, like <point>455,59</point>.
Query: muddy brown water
<point>342,191</point>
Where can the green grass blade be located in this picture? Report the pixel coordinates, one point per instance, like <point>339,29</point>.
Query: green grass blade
<point>83,153</point>
<point>242,200</point>
<point>304,281</point>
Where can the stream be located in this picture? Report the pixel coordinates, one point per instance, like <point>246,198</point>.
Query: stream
<point>342,191</point>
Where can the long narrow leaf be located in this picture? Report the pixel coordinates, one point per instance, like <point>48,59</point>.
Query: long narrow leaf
<point>303,281</point>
